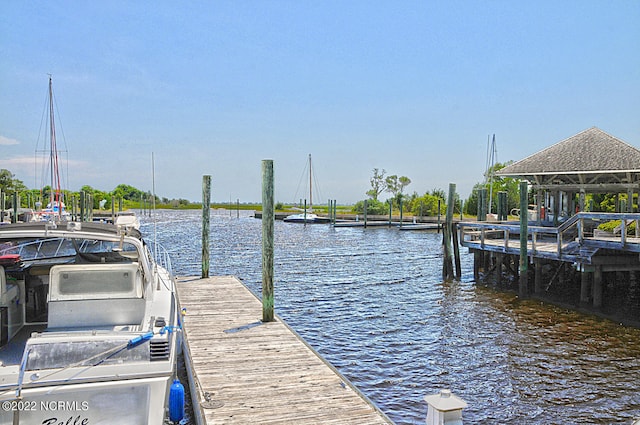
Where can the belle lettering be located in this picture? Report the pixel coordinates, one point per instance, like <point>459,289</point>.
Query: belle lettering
<point>71,421</point>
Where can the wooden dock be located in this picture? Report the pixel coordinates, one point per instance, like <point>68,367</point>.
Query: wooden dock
<point>244,371</point>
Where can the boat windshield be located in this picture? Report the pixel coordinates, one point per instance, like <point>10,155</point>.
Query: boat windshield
<point>83,353</point>
<point>83,250</point>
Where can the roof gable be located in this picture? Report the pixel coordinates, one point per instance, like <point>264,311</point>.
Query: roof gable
<point>589,151</point>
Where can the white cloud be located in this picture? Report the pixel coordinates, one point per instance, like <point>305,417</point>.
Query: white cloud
<point>8,141</point>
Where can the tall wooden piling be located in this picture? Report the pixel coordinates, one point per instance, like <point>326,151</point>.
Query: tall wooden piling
<point>14,218</point>
<point>365,213</point>
<point>524,260</point>
<point>268,218</point>
<point>447,266</point>
<point>83,205</point>
<point>206,216</point>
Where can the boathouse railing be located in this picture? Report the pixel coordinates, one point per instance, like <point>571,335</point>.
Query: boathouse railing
<point>576,238</point>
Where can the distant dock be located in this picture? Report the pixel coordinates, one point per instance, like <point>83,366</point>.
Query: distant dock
<point>244,371</point>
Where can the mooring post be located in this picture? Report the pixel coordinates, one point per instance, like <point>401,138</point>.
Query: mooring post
<point>14,218</point>
<point>206,215</point>
<point>365,213</point>
<point>113,209</point>
<point>447,267</point>
<point>524,260</point>
<point>390,211</point>
<point>82,205</point>
<point>439,206</point>
<point>456,252</point>
<point>335,210</point>
<point>305,212</point>
<point>268,218</point>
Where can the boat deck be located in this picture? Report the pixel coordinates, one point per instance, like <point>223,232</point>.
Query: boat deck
<point>245,371</point>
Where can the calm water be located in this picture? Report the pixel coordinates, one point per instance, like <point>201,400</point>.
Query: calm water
<point>373,304</point>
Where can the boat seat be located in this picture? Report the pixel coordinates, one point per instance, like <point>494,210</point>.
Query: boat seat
<point>8,291</point>
<point>95,295</point>
<point>11,311</point>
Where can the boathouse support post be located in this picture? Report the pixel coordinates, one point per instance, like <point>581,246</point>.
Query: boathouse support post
<point>537,285</point>
<point>585,285</point>
<point>477,261</point>
<point>539,207</point>
<point>524,260</point>
<point>597,287</point>
<point>268,218</point>
<point>498,268</point>
<point>206,216</point>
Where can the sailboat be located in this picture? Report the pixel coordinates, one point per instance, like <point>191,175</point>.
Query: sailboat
<point>307,216</point>
<point>89,322</point>
<point>55,209</point>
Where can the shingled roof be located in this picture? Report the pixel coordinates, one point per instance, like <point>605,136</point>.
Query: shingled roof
<point>592,159</point>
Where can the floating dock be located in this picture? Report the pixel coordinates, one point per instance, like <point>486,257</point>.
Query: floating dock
<point>245,371</point>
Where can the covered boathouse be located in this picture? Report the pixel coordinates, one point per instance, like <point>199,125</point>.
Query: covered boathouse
<point>569,259</point>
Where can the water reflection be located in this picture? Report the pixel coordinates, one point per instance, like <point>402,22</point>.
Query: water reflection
<point>372,303</point>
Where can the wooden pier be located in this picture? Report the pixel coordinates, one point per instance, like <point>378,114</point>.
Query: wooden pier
<point>598,266</point>
<point>245,371</point>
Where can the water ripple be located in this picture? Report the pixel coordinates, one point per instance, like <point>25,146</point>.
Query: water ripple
<point>373,304</point>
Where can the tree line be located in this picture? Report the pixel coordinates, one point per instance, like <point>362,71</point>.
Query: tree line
<point>433,202</point>
<point>131,196</point>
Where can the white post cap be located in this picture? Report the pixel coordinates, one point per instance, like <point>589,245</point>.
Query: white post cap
<point>445,401</point>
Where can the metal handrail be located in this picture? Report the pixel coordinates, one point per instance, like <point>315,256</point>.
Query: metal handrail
<point>571,230</point>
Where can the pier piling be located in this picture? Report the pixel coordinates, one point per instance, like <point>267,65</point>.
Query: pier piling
<point>524,259</point>
<point>268,218</point>
<point>206,215</point>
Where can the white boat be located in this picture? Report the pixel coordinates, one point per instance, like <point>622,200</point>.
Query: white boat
<point>89,325</point>
<point>302,218</point>
<point>307,216</point>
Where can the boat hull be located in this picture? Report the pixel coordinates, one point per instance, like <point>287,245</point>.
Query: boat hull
<point>131,402</point>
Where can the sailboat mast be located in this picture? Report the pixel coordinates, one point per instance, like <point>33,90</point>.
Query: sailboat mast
<point>54,196</point>
<point>310,186</point>
<point>490,171</point>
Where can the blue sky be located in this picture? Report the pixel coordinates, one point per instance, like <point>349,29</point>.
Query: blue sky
<point>214,87</point>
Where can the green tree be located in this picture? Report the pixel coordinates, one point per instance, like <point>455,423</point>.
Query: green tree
<point>427,204</point>
<point>395,185</point>
<point>9,184</point>
<point>377,184</point>
<point>127,192</point>
<point>374,207</point>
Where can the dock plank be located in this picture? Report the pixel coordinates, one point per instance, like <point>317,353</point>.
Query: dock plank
<point>246,371</point>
